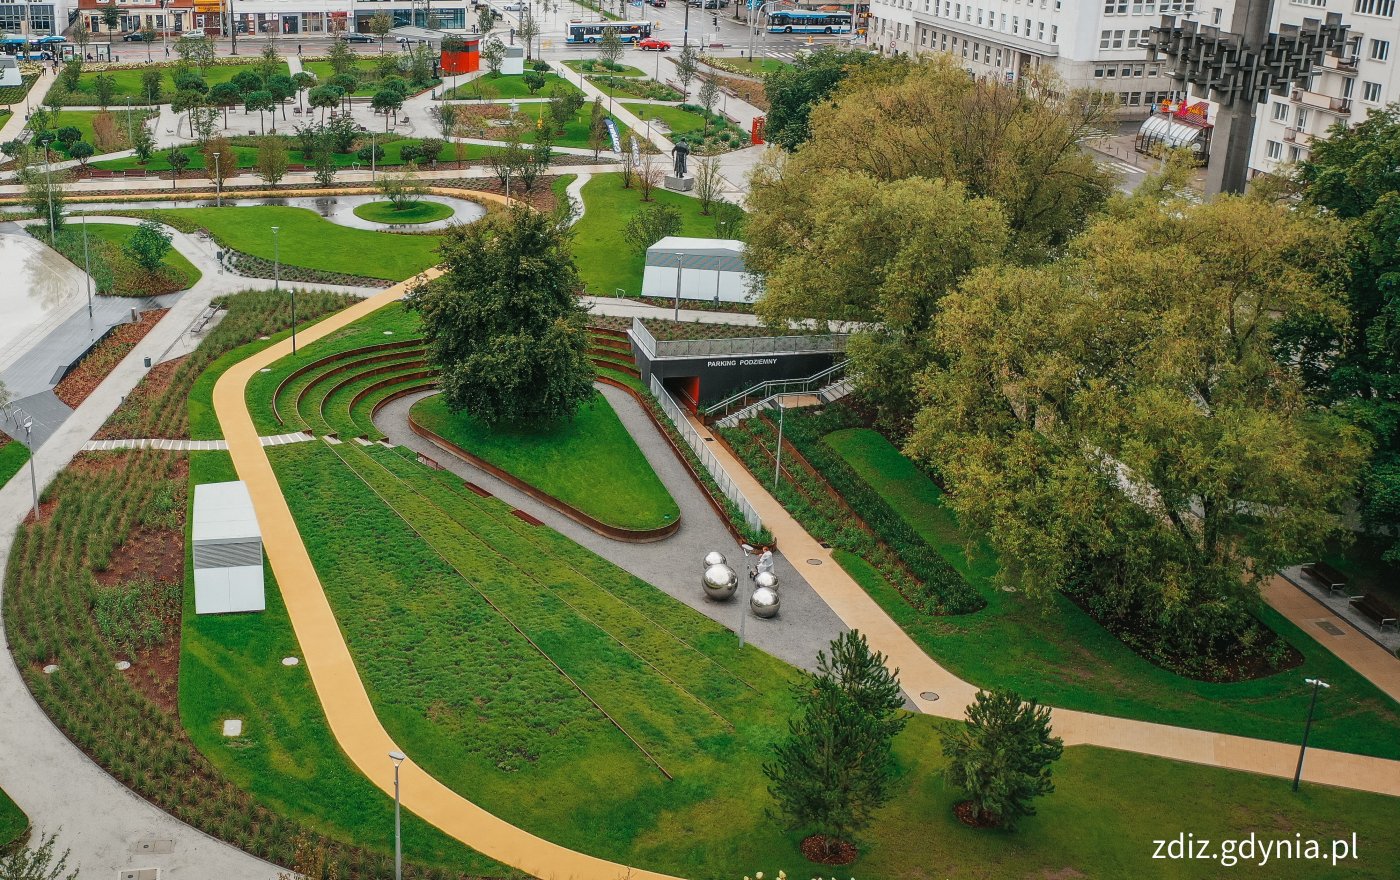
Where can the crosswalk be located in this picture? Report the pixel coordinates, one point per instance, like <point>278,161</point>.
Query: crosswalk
<point>168,445</point>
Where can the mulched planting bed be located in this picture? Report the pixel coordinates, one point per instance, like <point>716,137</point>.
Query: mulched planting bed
<point>842,852</point>
<point>967,814</point>
<point>147,392</point>
<point>77,385</point>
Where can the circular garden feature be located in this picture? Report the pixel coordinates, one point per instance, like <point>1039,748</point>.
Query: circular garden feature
<point>422,211</point>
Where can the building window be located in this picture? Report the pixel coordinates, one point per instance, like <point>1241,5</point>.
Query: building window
<point>1115,7</point>
<point>1376,7</point>
<point>1275,150</point>
<point>1302,119</point>
<point>1292,153</point>
<point>1380,50</point>
<point>1371,92</point>
<point>1280,112</point>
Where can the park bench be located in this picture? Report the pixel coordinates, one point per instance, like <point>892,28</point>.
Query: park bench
<point>1327,576</point>
<point>204,320</point>
<point>1376,610</point>
<point>100,172</point>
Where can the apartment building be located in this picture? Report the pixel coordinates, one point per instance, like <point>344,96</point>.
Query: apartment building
<point>1345,92</point>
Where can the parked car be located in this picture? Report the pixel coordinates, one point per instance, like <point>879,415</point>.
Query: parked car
<point>356,37</point>
<point>137,37</point>
<point>709,4</point>
<point>197,34</point>
<point>513,7</point>
<point>659,4</point>
<point>652,44</point>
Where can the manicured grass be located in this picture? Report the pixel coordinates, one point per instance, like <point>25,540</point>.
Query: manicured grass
<point>1059,655</point>
<point>247,156</point>
<point>309,240</point>
<point>13,822</point>
<point>755,66</point>
<point>575,132</point>
<point>13,456</point>
<point>487,87</point>
<point>590,461</point>
<point>690,124</point>
<point>422,211</point>
<point>581,64</point>
<point>128,80</point>
<point>367,68</point>
<point>82,121</point>
<point>605,261</point>
<point>634,87</point>
<point>230,667</point>
<point>117,235</point>
<point>680,121</point>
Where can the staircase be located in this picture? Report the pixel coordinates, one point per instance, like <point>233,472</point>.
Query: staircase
<point>829,385</point>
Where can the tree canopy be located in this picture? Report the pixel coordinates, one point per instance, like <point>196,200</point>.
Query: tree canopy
<point>504,324</point>
<point>794,89</point>
<point>1002,756</point>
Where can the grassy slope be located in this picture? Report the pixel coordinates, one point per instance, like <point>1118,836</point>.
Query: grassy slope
<point>309,240</point>
<point>230,668</point>
<point>681,121</point>
<point>423,211</point>
<point>247,156</point>
<point>1061,656</point>
<point>605,261</point>
<point>118,235</point>
<point>590,461</point>
<point>510,87</point>
<point>575,133</point>
<point>13,456</point>
<point>13,822</point>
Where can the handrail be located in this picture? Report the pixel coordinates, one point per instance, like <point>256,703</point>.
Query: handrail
<point>772,387</point>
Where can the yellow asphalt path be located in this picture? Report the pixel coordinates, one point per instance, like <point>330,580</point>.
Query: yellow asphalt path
<point>360,734</point>
<point>347,706</point>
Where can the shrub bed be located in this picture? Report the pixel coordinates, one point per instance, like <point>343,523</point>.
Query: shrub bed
<point>95,366</point>
<point>637,87</point>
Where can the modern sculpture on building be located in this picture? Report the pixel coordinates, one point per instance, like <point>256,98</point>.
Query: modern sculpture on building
<point>1240,71</point>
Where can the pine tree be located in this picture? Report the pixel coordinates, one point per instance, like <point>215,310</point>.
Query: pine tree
<point>1002,757</point>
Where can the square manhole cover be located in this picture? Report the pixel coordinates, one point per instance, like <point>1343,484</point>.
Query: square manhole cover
<point>163,846</point>
<point>1330,628</point>
<point>141,874</point>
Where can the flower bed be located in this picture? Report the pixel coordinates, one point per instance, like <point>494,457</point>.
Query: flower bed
<point>101,360</point>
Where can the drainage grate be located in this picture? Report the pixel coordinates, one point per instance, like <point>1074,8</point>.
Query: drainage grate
<point>930,696</point>
<point>814,562</point>
<point>157,845</point>
<point>1330,628</point>
<point>140,874</point>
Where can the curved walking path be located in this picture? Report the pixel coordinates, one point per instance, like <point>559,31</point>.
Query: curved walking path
<point>348,709</point>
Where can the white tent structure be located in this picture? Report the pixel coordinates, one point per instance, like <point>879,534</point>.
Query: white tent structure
<point>228,558</point>
<point>709,268</point>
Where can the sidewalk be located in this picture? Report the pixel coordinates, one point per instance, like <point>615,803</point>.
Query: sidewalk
<point>16,123</point>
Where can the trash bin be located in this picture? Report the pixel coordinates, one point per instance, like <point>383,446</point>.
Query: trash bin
<point>148,363</point>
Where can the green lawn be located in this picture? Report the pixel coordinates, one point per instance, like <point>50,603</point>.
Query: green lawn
<point>13,822</point>
<point>422,211</point>
<point>437,591</point>
<point>117,235</point>
<point>247,156</point>
<point>309,240</point>
<point>755,66</point>
<point>128,80</point>
<point>634,87</point>
<point>680,121</point>
<point>486,87</point>
<point>575,133</point>
<point>367,68</point>
<point>13,456</point>
<point>706,139</point>
<point>582,64</point>
<point>605,261</point>
<point>590,462</point>
<point>1061,656</point>
<point>82,121</point>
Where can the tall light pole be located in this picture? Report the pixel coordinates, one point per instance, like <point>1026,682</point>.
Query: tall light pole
<point>398,758</point>
<point>26,421</point>
<point>87,266</point>
<point>1317,685</point>
<point>218,183</point>
<point>744,617</point>
<point>778,454</point>
<point>48,182</point>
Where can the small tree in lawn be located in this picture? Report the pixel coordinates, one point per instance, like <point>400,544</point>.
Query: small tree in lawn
<point>198,51</point>
<point>836,765</point>
<point>272,158</point>
<point>402,190</point>
<point>687,65</point>
<point>81,35</point>
<point>446,116</point>
<point>650,225</point>
<point>493,52</point>
<point>534,81</point>
<point>388,102</point>
<point>629,161</point>
<point>105,87</point>
<point>504,325</point>
<point>342,57</point>
<point>729,219</point>
<point>380,25</point>
<point>144,143</point>
<point>708,94</point>
<point>148,245</point>
<point>610,48</point>
<point>708,183</point>
<point>152,84</point>
<point>179,160</point>
<point>1002,757</point>
<point>537,160</point>
<point>82,151</point>
<point>597,128</point>
<point>269,63</point>
<point>648,175</point>
<point>38,863</point>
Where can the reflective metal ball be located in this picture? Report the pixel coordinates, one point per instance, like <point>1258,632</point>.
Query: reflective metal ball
<point>764,602</point>
<point>766,579</point>
<point>714,557</point>
<point>719,582</point>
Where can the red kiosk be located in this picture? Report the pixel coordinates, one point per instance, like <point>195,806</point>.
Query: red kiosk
<point>461,55</point>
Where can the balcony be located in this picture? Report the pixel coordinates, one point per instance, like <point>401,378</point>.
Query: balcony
<point>1346,65</point>
<point>1297,136</point>
<point>1339,106</point>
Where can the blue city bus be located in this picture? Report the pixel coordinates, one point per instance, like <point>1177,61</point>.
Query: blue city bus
<point>792,21</point>
<point>592,31</point>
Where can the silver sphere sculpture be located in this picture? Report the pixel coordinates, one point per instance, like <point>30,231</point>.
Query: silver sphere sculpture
<point>766,579</point>
<point>719,582</point>
<point>713,558</point>
<point>764,602</point>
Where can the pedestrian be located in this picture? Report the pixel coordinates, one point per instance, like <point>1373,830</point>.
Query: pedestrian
<point>167,51</point>
<point>298,50</point>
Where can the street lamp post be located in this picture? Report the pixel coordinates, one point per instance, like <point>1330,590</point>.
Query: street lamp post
<point>26,421</point>
<point>398,758</point>
<point>130,133</point>
<point>48,182</point>
<point>1317,684</point>
<point>778,453</point>
<point>743,618</point>
<point>218,183</point>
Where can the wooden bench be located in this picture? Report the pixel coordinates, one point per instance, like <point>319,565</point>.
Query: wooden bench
<point>1375,610</point>
<point>1326,576</point>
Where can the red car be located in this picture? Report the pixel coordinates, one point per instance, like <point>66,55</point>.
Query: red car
<point>652,44</point>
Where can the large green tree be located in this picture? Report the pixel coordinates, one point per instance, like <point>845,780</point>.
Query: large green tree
<point>504,325</point>
<point>835,767</point>
<point>1002,757</point>
<point>1355,175</point>
<point>1118,424</point>
<point>794,89</point>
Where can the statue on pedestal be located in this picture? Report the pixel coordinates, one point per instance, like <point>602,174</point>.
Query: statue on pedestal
<point>679,153</point>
